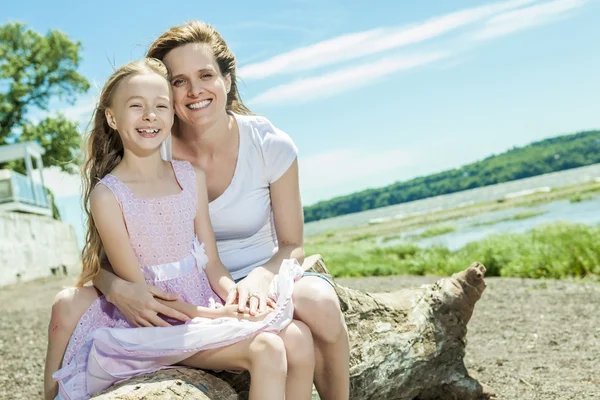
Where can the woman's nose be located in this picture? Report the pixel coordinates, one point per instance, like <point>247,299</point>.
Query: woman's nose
<point>196,89</point>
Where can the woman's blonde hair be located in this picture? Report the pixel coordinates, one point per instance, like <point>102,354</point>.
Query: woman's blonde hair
<point>103,151</point>
<point>200,32</point>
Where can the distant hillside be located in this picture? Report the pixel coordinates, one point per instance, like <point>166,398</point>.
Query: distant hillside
<point>549,155</point>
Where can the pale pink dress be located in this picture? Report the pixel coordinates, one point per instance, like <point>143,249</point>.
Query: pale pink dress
<point>105,347</point>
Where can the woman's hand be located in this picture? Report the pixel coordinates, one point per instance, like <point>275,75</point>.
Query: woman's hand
<point>251,293</point>
<point>137,302</point>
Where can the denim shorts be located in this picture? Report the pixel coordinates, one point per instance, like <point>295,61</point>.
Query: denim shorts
<point>324,277</point>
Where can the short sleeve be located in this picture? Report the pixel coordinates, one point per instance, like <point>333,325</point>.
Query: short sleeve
<point>279,151</point>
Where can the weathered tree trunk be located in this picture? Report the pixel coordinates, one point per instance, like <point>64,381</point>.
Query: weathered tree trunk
<point>407,344</point>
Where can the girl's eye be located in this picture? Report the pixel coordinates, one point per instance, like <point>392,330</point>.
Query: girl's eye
<point>163,106</point>
<point>135,105</point>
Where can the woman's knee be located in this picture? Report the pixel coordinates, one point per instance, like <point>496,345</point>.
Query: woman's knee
<point>267,352</point>
<point>318,306</point>
<point>299,346</point>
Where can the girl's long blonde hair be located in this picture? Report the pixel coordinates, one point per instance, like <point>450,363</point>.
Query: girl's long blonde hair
<point>103,151</point>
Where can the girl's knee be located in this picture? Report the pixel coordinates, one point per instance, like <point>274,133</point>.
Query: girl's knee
<point>299,345</point>
<point>68,306</point>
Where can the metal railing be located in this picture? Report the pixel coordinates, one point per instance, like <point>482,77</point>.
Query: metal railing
<point>19,188</point>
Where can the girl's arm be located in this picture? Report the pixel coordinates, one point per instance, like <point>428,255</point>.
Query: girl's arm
<point>218,276</point>
<point>108,219</point>
<point>230,311</point>
<point>115,241</point>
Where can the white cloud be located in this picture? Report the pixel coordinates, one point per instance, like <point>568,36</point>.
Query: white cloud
<point>60,183</point>
<point>359,44</point>
<point>81,111</point>
<point>514,21</point>
<point>344,79</point>
<point>339,172</point>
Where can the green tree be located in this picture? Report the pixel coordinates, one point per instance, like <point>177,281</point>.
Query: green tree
<point>58,136</point>
<point>553,154</point>
<point>34,69</point>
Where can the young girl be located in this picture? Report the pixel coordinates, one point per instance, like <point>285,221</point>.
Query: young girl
<point>150,219</point>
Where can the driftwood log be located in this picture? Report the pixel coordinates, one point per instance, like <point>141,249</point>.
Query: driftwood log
<point>407,344</point>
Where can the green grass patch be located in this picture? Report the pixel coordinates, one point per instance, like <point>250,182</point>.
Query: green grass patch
<point>517,217</point>
<point>550,251</point>
<point>437,231</point>
<point>579,197</point>
<point>390,238</point>
<point>364,236</point>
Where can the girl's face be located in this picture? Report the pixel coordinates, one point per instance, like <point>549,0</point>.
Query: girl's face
<point>199,89</point>
<point>141,111</point>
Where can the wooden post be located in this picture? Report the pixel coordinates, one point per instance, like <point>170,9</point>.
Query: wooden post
<point>29,166</point>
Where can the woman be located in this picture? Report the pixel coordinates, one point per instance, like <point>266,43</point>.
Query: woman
<point>255,209</point>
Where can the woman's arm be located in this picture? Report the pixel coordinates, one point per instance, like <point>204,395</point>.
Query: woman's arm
<point>137,301</point>
<point>218,276</point>
<point>288,218</point>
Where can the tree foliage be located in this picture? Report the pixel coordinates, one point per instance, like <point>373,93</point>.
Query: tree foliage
<point>34,70</point>
<point>550,155</point>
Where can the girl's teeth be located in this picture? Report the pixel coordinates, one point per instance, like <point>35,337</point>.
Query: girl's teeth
<point>148,130</point>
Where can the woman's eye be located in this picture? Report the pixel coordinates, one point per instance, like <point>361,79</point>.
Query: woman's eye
<point>177,82</point>
<point>208,76</point>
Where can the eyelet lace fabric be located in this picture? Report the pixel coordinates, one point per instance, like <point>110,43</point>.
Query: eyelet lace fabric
<point>106,348</point>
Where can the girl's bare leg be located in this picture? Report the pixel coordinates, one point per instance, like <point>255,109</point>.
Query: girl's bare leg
<point>69,305</point>
<point>300,354</point>
<point>262,355</point>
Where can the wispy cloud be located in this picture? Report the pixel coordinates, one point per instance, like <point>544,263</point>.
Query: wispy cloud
<point>325,85</point>
<point>81,111</point>
<point>484,22</point>
<point>359,44</point>
<point>61,183</point>
<point>337,172</point>
<point>517,20</point>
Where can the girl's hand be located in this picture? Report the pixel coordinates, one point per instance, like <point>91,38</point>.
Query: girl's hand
<point>137,302</point>
<point>251,293</point>
<point>231,311</point>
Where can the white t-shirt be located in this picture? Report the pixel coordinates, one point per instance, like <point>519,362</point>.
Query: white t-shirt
<point>242,217</point>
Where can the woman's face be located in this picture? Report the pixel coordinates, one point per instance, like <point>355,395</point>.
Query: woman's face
<point>199,89</point>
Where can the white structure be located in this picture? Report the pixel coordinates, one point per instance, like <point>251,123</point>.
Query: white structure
<point>35,246</point>
<point>18,192</point>
<point>32,243</point>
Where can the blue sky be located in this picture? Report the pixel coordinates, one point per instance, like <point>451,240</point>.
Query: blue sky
<point>374,92</point>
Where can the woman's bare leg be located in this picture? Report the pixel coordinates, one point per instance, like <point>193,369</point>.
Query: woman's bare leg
<point>317,305</point>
